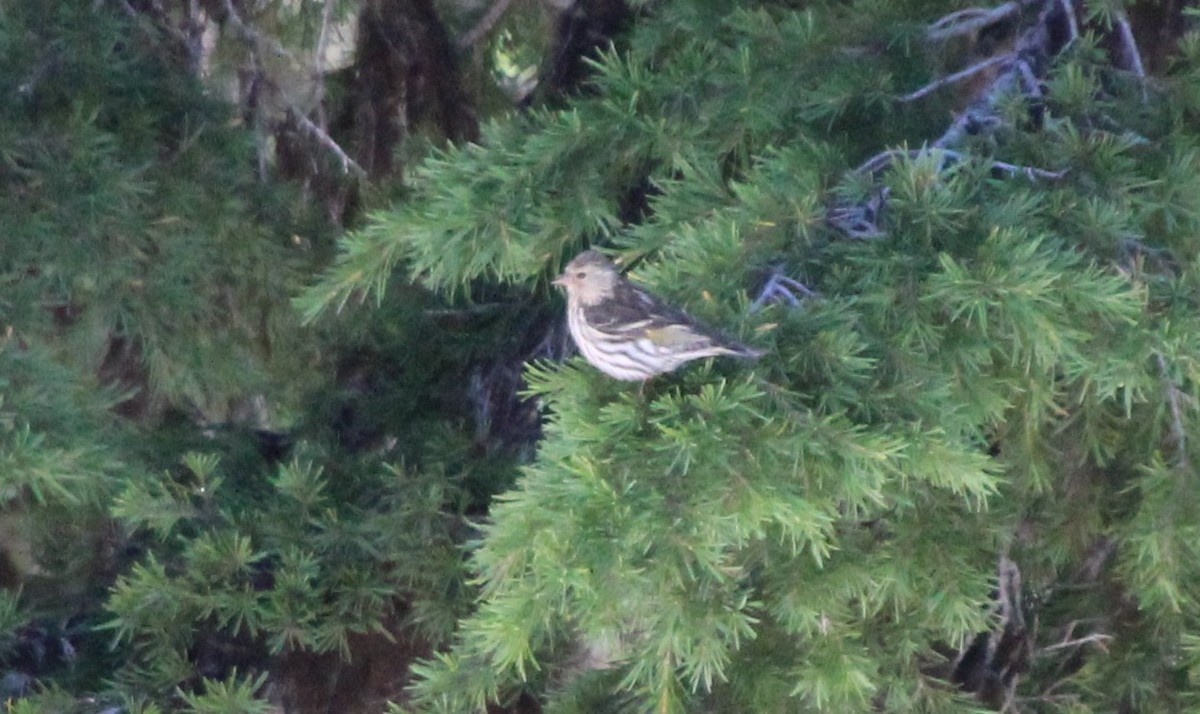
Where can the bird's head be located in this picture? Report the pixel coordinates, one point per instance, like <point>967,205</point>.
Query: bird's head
<point>590,278</point>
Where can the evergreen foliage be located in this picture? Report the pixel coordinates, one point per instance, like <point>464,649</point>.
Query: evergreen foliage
<point>133,231</point>
<point>961,478</point>
<point>1001,377</point>
<point>298,571</point>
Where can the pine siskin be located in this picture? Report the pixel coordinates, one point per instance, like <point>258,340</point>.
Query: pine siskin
<point>626,332</point>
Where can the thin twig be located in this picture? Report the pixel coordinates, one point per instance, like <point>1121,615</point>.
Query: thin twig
<point>1098,556</point>
<point>1068,8</point>
<point>1097,638</point>
<point>123,4</point>
<point>257,42</point>
<point>163,24</point>
<point>883,158</point>
<point>949,26</point>
<point>485,24</point>
<point>796,285</point>
<point>256,38</point>
<point>780,286</point>
<point>958,76</point>
<point>1031,172</point>
<point>957,16</point>
<point>972,121</point>
<point>878,161</point>
<point>1010,696</point>
<point>1178,430</point>
<point>1129,45</point>
<point>860,221</point>
<point>1133,57</point>
<point>349,165</point>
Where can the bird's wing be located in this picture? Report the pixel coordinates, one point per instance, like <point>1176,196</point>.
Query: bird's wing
<point>638,314</point>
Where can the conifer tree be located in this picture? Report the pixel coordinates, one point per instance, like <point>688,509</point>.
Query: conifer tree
<point>961,476</point>
<point>963,471</point>
<point>204,504</point>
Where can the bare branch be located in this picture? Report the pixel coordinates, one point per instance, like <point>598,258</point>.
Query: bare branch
<point>258,44</point>
<point>781,287</point>
<point>958,76</point>
<point>123,4</point>
<point>158,18</point>
<point>485,24</point>
<point>860,221</point>
<point>879,161</point>
<point>1017,74</point>
<point>1129,48</point>
<point>1068,8</point>
<point>967,21</point>
<point>883,158</point>
<point>1031,172</point>
<point>349,165</point>
<point>1097,638</point>
<point>1098,556</point>
<point>258,41</point>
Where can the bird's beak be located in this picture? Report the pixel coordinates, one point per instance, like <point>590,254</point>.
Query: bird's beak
<point>560,281</point>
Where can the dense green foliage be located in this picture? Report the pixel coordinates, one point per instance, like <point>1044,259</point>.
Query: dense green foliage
<point>962,475</point>
<point>1009,371</point>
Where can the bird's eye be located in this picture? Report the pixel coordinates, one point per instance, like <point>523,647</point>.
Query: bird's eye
<point>581,275</point>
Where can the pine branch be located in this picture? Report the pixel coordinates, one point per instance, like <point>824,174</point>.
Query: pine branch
<point>884,158</point>
<point>1032,48</point>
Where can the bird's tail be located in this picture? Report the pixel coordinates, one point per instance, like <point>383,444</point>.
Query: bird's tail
<point>736,349</point>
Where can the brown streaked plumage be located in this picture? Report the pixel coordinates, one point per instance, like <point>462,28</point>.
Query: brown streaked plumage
<point>626,332</point>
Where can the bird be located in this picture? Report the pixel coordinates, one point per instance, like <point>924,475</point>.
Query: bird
<point>626,332</point>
